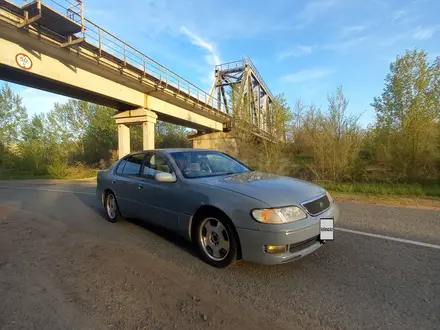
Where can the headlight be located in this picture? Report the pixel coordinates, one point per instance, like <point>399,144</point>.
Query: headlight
<point>280,215</point>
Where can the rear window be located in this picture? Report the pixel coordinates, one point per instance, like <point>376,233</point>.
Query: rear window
<point>131,165</point>
<point>121,166</point>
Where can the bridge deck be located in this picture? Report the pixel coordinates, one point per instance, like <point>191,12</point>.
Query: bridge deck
<point>126,59</point>
<point>159,83</point>
<point>11,7</point>
<point>94,40</point>
<point>52,19</point>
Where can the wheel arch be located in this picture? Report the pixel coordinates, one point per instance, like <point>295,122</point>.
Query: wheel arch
<point>104,195</point>
<point>212,210</point>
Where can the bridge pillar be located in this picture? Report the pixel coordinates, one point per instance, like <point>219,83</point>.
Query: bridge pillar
<point>148,131</point>
<point>143,117</point>
<point>221,141</point>
<point>123,140</point>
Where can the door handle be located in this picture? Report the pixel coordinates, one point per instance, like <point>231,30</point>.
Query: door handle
<point>113,181</point>
<point>140,187</point>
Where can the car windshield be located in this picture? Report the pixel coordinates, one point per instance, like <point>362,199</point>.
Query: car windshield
<point>198,164</point>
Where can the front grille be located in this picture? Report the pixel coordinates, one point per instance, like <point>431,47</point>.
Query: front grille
<point>303,245</point>
<point>318,205</point>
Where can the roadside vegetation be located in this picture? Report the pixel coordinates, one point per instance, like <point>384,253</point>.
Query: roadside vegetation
<point>398,154</point>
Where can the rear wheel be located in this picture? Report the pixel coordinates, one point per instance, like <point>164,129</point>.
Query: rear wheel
<point>216,241</point>
<point>111,207</point>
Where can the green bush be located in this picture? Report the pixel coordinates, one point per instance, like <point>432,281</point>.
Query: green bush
<point>58,169</point>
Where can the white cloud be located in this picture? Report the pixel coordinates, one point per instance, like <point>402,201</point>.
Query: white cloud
<point>421,33</point>
<point>37,101</point>
<point>206,45</point>
<point>211,59</point>
<point>351,30</point>
<point>346,45</point>
<point>399,14</point>
<point>215,18</point>
<point>307,75</point>
<point>295,52</point>
<point>387,41</point>
<point>315,8</point>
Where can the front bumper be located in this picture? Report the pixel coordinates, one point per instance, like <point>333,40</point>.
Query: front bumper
<point>302,238</point>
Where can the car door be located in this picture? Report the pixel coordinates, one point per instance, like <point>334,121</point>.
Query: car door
<point>158,197</point>
<point>124,184</point>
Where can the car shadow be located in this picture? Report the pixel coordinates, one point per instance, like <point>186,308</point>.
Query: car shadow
<point>161,232</point>
<point>166,234</point>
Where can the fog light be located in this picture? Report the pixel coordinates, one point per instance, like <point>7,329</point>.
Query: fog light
<point>274,249</point>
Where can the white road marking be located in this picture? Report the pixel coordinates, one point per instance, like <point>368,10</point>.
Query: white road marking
<point>52,190</point>
<point>389,238</point>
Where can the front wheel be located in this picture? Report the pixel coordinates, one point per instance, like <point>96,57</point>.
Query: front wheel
<point>111,208</point>
<point>216,241</point>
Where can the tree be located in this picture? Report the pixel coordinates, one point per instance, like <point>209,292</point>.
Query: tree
<point>36,150</point>
<point>171,136</point>
<point>332,139</point>
<point>100,135</point>
<point>407,116</point>
<point>12,116</point>
<point>69,122</point>
<point>86,131</point>
<point>253,147</point>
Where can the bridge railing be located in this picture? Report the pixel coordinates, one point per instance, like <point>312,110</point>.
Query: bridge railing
<point>128,55</point>
<point>254,69</point>
<point>75,11</point>
<point>230,66</point>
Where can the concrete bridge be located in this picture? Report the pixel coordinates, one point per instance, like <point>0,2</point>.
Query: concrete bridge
<point>52,47</point>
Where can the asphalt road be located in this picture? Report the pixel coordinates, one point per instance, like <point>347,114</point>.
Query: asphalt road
<point>356,282</point>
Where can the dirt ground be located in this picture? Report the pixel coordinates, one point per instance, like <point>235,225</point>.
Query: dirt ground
<point>56,277</point>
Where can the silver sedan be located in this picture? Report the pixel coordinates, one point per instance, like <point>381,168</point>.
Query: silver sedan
<point>228,210</point>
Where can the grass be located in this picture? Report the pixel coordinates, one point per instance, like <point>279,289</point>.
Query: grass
<point>402,195</point>
<point>71,173</point>
<point>383,189</point>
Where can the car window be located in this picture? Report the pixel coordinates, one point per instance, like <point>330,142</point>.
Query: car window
<point>155,163</point>
<point>121,166</point>
<point>133,164</point>
<point>197,164</point>
<point>219,164</point>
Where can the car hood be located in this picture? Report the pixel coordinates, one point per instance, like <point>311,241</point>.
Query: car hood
<point>274,190</point>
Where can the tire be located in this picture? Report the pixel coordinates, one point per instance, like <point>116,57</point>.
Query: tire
<point>216,240</point>
<point>111,208</point>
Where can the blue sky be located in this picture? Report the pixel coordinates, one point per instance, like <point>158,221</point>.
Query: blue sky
<point>302,48</point>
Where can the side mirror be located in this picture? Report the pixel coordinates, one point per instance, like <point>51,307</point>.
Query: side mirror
<point>165,177</point>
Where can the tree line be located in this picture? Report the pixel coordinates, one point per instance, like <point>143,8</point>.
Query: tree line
<point>401,146</point>
<point>75,134</point>
<point>329,145</point>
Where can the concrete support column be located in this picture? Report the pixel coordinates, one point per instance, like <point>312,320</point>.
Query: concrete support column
<point>123,140</point>
<point>143,117</point>
<point>148,130</point>
<point>220,141</point>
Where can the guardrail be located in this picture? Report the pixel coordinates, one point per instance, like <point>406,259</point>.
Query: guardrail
<point>254,69</point>
<point>110,44</point>
<point>230,65</point>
